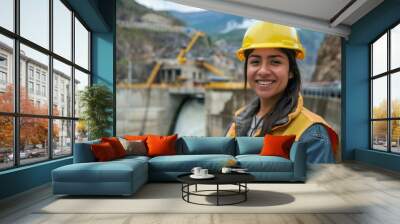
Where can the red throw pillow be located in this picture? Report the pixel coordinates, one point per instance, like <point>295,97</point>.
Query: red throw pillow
<point>103,151</point>
<point>275,145</point>
<point>161,145</point>
<point>116,145</point>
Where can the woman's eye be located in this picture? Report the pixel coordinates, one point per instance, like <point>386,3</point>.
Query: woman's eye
<point>254,62</point>
<point>275,62</point>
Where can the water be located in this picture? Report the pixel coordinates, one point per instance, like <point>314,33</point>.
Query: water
<point>191,120</point>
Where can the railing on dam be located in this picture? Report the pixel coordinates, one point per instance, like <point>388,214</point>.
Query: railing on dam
<point>330,89</point>
<point>195,91</point>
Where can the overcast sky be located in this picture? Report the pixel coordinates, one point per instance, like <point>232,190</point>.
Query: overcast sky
<point>167,5</point>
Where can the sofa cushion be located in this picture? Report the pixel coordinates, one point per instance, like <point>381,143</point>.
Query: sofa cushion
<point>132,158</point>
<point>206,145</point>
<point>185,163</point>
<point>112,171</point>
<point>249,145</point>
<point>257,163</point>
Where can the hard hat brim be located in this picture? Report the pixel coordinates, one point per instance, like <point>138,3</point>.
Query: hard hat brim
<point>300,51</point>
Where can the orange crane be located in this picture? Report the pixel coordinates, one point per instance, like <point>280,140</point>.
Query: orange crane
<point>182,53</point>
<point>209,67</point>
<point>153,74</point>
<point>200,62</point>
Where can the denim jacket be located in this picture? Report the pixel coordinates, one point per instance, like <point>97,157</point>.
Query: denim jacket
<point>317,144</point>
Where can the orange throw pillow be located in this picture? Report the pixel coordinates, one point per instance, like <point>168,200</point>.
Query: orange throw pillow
<point>103,151</point>
<point>135,137</point>
<point>275,145</point>
<point>116,145</point>
<point>161,145</point>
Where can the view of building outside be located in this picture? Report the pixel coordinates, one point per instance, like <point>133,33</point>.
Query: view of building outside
<point>34,118</point>
<point>177,71</point>
<point>385,122</point>
<point>34,100</point>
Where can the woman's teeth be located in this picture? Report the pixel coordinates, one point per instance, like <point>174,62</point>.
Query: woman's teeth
<point>264,82</point>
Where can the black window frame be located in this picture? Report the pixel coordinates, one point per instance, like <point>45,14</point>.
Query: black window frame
<point>16,115</point>
<point>388,74</point>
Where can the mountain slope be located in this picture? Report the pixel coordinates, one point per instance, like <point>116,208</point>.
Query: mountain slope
<point>139,45</point>
<point>206,21</point>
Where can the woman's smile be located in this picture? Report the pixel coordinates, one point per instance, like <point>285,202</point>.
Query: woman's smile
<point>264,83</point>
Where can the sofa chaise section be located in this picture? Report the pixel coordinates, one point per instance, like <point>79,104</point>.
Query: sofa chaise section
<point>87,177</point>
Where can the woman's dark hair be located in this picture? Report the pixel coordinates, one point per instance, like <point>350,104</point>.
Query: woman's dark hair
<point>288,101</point>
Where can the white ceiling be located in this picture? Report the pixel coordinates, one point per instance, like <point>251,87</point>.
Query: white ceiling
<point>318,15</point>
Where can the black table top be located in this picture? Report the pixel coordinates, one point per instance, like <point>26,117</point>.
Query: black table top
<point>220,178</point>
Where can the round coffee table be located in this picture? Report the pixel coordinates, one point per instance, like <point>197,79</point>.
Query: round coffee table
<point>238,179</point>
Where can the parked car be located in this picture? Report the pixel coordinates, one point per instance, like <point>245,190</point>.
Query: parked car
<point>22,155</point>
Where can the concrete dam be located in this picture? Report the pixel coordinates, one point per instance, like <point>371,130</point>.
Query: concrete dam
<point>201,111</point>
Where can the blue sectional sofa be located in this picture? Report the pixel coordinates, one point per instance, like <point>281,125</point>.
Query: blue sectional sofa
<point>125,176</point>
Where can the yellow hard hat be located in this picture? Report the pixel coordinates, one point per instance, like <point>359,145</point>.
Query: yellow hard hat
<point>270,35</point>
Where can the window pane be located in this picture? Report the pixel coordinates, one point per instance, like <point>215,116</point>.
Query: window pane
<point>33,139</point>
<point>395,94</point>
<point>62,138</point>
<point>379,97</point>
<point>81,131</point>
<point>62,89</point>
<point>7,14</point>
<point>395,47</point>
<point>81,45</point>
<point>6,74</point>
<point>379,55</point>
<point>34,97</point>
<point>379,135</point>
<point>35,21</point>
<point>6,142</point>
<point>62,29</point>
<point>81,81</point>
<point>395,138</point>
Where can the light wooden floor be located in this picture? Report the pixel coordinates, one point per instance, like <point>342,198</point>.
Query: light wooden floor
<point>378,188</point>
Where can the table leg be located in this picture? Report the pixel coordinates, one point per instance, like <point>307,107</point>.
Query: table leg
<point>245,191</point>
<point>196,188</point>
<point>188,189</point>
<point>217,194</point>
<point>182,189</point>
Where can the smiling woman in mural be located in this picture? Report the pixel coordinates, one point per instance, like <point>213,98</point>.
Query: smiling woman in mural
<point>269,52</point>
